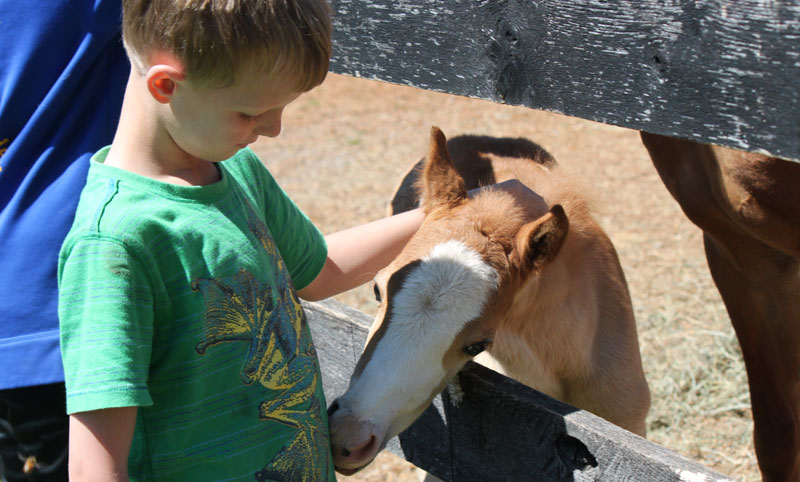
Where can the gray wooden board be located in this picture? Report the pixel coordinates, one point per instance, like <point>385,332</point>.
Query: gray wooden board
<point>717,71</point>
<point>500,430</point>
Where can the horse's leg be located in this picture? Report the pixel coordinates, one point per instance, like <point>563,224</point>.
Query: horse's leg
<point>748,206</point>
<point>766,317</point>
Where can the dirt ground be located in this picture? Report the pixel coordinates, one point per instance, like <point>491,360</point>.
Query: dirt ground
<point>346,145</point>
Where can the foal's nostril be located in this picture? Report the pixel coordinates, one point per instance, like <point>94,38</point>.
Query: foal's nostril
<point>345,453</point>
<point>334,407</point>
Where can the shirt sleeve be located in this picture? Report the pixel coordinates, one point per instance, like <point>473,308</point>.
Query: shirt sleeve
<point>301,244</point>
<point>106,322</point>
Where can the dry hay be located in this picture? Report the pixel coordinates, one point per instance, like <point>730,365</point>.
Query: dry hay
<point>346,145</point>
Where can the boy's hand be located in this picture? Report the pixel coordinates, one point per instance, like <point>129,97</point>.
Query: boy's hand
<point>522,193</point>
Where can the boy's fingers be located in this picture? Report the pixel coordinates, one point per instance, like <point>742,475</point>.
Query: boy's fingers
<point>525,195</point>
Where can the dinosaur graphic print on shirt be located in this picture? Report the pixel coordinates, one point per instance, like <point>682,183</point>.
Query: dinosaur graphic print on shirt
<point>267,315</point>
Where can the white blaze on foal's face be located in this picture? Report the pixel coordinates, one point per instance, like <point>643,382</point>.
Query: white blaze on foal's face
<point>437,298</point>
<point>447,290</point>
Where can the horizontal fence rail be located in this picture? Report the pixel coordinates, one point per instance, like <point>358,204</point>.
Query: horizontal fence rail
<point>500,430</point>
<point>717,72</point>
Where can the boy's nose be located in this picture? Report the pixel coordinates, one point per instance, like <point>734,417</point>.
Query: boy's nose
<point>270,126</point>
<point>269,130</point>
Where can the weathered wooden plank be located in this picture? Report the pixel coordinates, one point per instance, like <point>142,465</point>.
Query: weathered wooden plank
<point>500,429</point>
<point>716,71</point>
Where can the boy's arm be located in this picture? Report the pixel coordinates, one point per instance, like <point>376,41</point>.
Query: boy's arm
<point>355,255</point>
<point>99,442</point>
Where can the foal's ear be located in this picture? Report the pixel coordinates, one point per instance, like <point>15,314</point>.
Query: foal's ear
<point>539,241</point>
<point>441,185</point>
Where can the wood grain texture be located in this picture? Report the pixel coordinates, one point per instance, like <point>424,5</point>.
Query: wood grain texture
<point>500,429</point>
<point>719,72</point>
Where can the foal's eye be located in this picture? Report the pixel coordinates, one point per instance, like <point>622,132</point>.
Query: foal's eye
<point>476,348</point>
<point>377,292</point>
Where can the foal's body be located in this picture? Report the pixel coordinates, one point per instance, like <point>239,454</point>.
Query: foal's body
<point>570,332</point>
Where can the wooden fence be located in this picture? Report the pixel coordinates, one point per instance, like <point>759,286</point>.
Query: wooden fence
<point>500,430</point>
<point>720,72</point>
<point>716,71</point>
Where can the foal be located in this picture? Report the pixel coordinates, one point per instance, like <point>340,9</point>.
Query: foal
<point>535,289</point>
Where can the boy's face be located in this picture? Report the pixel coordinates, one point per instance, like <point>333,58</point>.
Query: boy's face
<point>212,124</point>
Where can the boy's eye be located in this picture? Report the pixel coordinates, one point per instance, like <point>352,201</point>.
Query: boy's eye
<point>246,116</point>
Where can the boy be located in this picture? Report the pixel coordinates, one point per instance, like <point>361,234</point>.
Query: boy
<point>186,352</point>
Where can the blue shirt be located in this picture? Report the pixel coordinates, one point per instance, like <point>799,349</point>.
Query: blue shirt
<point>62,77</point>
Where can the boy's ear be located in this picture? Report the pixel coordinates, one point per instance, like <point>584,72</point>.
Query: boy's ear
<point>162,81</point>
<point>539,241</point>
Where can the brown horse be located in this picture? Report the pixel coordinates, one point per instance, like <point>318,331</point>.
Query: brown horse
<point>538,285</point>
<point>748,206</point>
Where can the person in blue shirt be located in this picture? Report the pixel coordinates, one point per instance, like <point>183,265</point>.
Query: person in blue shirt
<point>62,77</point>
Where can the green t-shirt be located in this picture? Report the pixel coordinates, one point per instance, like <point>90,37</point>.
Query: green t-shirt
<point>181,300</point>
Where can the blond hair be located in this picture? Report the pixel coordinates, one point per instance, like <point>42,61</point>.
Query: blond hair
<point>219,40</point>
